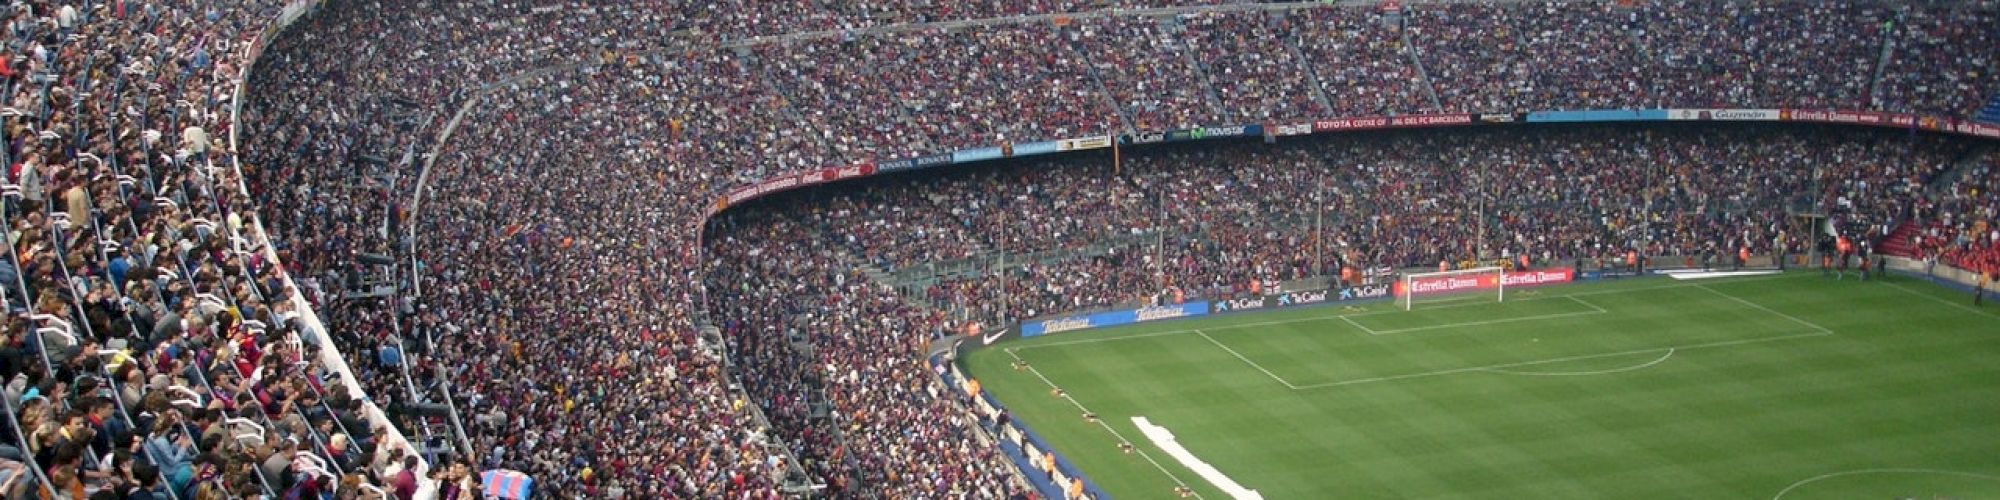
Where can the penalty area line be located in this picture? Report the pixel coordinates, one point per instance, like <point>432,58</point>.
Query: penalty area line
<point>1740,300</point>
<point>1484,323</point>
<point>1708,345</point>
<point>1240,356</point>
<point>1648,364</point>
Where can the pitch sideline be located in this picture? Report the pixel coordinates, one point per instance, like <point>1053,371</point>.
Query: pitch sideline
<point>1114,432</point>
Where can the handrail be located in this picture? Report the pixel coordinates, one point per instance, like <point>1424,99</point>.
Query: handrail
<point>330,354</point>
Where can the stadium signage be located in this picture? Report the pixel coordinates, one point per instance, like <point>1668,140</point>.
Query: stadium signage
<point>1225,132</point>
<point>980,154</point>
<point>1838,117</point>
<point>896,166</point>
<point>1291,130</point>
<point>1349,124</point>
<point>932,161</point>
<point>1447,284</point>
<point>1098,142</point>
<point>1219,133</point>
<point>1362,292</point>
<point>1113,318</point>
<point>1978,129</point>
<point>1242,304</point>
<point>1496,118</point>
<point>1540,277</point>
<point>1378,122</point>
<point>1301,298</point>
<point>1065,324</point>
<point>849,172</point>
<point>1159,313</point>
<point>1147,138</point>
<point>1429,120</point>
<point>1760,115</point>
<point>1599,115</point>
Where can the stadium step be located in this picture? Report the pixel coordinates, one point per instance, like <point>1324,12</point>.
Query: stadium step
<point>1898,242</point>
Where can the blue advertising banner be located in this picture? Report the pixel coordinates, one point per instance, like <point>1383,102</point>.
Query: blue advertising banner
<point>895,165</point>
<point>1610,115</point>
<point>976,154</point>
<point>1037,148</point>
<point>1033,329</point>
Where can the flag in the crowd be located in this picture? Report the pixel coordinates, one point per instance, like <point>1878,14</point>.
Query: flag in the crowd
<point>508,484</point>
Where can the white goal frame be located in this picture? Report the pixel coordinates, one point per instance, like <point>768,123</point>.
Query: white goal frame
<point>1409,296</point>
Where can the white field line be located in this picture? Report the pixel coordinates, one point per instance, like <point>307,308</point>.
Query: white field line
<point>1469,299</point>
<point>1795,319</point>
<point>1941,300</point>
<point>1587,304</point>
<point>1708,345</point>
<point>1100,422</point>
<point>1234,326</point>
<point>1350,320</point>
<point>1164,439</point>
<point>1253,364</point>
<point>1709,275</point>
<point>1537,317</point>
<point>1648,364</point>
<point>1821,477</point>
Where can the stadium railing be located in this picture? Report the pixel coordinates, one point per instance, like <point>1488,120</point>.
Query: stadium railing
<point>330,354</point>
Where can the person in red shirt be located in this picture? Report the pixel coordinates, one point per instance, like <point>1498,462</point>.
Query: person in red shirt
<point>404,486</point>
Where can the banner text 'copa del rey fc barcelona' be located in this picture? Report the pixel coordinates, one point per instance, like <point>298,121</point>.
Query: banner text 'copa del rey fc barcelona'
<point>1452,284</point>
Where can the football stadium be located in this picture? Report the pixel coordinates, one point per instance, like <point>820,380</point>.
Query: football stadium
<point>1000,249</point>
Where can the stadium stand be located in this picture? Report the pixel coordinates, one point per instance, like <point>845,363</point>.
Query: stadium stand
<point>555,284</point>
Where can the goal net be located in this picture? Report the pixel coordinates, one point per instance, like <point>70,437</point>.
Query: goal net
<point>1481,284</point>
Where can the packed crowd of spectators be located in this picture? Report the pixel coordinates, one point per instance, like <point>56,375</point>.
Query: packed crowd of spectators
<point>832,358</point>
<point>1147,73</point>
<point>1947,60</point>
<point>1214,220</point>
<point>1777,54</point>
<point>153,348</point>
<point>558,241</point>
<point>1361,62</point>
<point>1251,62</point>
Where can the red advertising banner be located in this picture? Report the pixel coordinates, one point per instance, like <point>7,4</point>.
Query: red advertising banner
<point>792,181</point>
<point>1929,123</point>
<point>1448,284</point>
<point>1858,118</point>
<point>1540,277</point>
<point>1379,122</point>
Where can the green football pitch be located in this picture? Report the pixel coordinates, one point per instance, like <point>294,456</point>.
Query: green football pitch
<point>1794,386</point>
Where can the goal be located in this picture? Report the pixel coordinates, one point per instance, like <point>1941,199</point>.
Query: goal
<point>1485,283</point>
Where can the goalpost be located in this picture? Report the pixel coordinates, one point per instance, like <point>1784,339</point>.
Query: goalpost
<point>1446,286</point>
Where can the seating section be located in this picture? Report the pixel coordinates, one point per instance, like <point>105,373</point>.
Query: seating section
<point>455,235</point>
<point>153,342</point>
